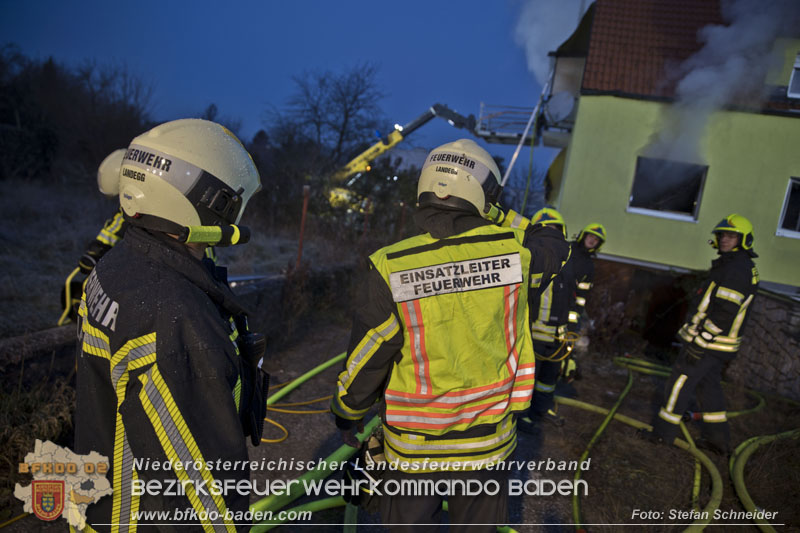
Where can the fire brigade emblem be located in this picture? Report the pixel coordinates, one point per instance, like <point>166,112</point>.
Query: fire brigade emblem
<point>48,499</point>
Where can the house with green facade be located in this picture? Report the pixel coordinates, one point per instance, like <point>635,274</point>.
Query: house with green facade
<point>672,114</point>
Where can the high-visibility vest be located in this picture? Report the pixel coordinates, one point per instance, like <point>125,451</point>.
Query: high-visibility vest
<point>467,357</point>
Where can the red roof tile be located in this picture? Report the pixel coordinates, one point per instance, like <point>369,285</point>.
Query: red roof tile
<point>635,43</point>
<point>636,47</point>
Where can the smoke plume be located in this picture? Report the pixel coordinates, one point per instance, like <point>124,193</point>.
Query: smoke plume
<point>543,25</point>
<point>730,68</point>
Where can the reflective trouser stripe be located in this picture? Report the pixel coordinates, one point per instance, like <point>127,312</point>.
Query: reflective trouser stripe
<point>179,446</point>
<point>669,417</point>
<point>667,412</point>
<point>543,387</point>
<point>720,416</point>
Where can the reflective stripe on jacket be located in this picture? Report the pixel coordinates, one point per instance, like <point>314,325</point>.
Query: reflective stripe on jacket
<point>159,382</point>
<point>113,229</point>
<point>583,269</point>
<point>719,316</point>
<point>550,312</point>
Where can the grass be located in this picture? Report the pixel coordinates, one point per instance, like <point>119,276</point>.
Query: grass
<point>45,228</point>
<point>43,232</point>
<point>28,413</point>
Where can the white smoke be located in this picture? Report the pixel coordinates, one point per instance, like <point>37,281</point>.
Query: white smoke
<point>542,27</point>
<point>730,68</point>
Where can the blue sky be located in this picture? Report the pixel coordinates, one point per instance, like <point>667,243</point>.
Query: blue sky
<point>242,55</point>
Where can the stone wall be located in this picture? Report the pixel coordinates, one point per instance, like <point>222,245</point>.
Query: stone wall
<point>656,303</point>
<point>769,359</point>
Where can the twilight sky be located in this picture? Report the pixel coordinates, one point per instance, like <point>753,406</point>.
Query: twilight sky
<point>241,55</point>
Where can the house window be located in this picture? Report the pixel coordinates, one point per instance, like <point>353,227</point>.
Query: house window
<point>669,189</point>
<point>793,90</point>
<point>789,225</point>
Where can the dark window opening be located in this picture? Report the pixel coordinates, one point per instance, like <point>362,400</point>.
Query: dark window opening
<point>790,218</point>
<point>667,186</point>
<point>793,91</point>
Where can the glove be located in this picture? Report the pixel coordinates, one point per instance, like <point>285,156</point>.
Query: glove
<point>87,263</point>
<point>92,255</point>
<point>570,372</point>
<point>349,431</point>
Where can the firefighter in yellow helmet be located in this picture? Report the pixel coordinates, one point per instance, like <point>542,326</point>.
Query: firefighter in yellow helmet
<point>441,334</point>
<point>109,235</point>
<point>166,375</point>
<point>711,337</point>
<point>549,319</point>
<point>584,248</point>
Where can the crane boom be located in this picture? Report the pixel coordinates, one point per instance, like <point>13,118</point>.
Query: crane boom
<point>361,162</point>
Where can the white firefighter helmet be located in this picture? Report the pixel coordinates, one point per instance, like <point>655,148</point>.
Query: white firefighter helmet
<point>187,172</point>
<point>108,173</point>
<point>459,175</point>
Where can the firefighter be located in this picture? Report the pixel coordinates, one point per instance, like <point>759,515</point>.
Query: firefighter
<point>111,232</point>
<point>584,249</point>
<point>711,338</point>
<point>166,376</point>
<point>441,333</point>
<point>549,319</point>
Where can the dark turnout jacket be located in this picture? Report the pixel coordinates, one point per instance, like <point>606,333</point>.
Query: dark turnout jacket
<point>719,312</point>
<point>583,273</point>
<point>159,379</point>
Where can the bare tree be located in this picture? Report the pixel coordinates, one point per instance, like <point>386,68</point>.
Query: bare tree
<point>337,110</point>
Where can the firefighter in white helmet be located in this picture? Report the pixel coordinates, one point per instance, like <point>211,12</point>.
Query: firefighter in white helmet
<point>166,373</point>
<point>441,334</point>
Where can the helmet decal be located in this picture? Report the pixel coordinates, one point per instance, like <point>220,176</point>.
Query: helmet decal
<point>735,224</point>
<point>596,229</point>
<point>548,216</point>
<point>459,175</point>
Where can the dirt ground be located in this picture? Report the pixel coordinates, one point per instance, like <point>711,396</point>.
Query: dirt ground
<point>625,474</point>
